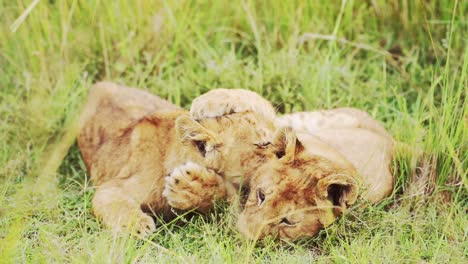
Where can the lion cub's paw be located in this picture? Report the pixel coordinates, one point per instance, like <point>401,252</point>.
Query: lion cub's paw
<point>139,224</point>
<point>192,186</point>
<point>221,102</point>
<point>144,225</point>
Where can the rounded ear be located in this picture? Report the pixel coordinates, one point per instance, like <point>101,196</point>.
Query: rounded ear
<point>190,131</point>
<point>340,189</point>
<point>286,144</point>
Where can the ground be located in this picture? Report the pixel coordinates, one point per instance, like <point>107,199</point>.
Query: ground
<point>405,62</point>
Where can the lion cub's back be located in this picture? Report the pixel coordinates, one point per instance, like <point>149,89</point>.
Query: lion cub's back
<point>311,122</point>
<point>111,111</point>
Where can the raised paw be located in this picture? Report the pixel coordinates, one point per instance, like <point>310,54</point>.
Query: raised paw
<point>192,186</point>
<point>221,102</point>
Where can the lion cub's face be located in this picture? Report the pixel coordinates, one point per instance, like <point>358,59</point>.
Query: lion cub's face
<point>231,145</point>
<point>296,194</point>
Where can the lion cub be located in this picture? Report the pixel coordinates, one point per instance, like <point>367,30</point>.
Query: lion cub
<point>330,157</point>
<point>146,155</point>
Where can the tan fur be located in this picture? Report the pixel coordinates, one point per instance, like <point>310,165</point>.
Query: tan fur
<point>338,153</point>
<point>131,140</point>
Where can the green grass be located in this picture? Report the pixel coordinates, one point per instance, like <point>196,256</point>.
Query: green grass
<point>405,62</point>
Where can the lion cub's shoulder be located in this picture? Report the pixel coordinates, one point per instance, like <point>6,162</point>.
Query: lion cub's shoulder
<point>115,118</point>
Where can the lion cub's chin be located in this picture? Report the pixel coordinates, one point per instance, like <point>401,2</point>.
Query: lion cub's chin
<point>258,229</point>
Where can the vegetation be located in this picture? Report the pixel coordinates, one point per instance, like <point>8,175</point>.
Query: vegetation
<point>403,61</point>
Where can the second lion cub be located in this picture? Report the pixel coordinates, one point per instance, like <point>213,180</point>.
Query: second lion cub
<point>336,155</point>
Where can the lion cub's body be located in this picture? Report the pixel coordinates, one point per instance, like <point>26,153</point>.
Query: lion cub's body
<point>131,140</point>
<point>127,143</point>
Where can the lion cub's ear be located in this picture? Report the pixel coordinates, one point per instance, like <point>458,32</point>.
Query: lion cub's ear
<point>341,189</point>
<point>191,131</point>
<point>286,144</point>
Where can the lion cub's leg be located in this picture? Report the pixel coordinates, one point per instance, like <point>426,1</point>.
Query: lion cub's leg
<point>119,211</point>
<point>192,186</point>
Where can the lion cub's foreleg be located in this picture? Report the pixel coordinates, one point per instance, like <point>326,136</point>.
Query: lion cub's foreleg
<point>119,210</point>
<point>192,186</point>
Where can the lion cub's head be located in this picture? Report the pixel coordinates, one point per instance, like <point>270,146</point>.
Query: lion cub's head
<point>230,144</point>
<point>296,193</point>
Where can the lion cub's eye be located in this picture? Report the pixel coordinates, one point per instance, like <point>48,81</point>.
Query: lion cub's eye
<point>262,144</point>
<point>284,221</point>
<point>260,196</point>
<point>201,147</point>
